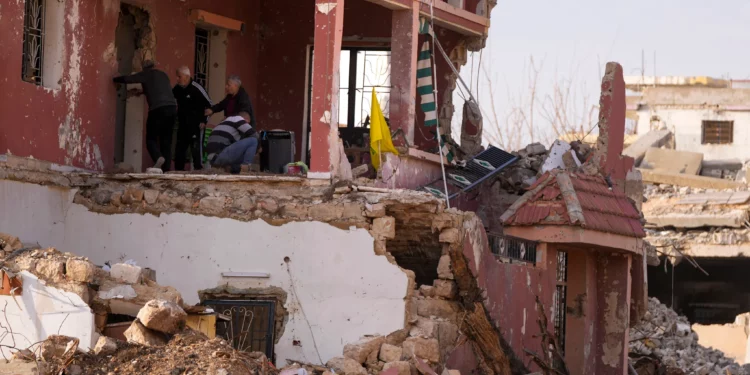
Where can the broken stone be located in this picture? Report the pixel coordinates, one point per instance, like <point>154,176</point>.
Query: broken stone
<point>55,346</point>
<point>9,243</point>
<point>536,149</point>
<point>375,210</point>
<point>380,247</point>
<point>326,212</point>
<point>132,195</point>
<point>390,353</point>
<point>139,334</point>
<point>427,291</point>
<point>352,211</point>
<point>105,346</point>
<point>427,349</point>
<point>346,366</point>
<point>212,204</point>
<point>403,367</point>
<point>244,204</point>
<point>445,288</point>
<point>384,227</point>
<point>151,196</point>
<point>424,327</point>
<point>50,269</point>
<point>126,273</point>
<point>397,338</point>
<point>360,350</point>
<point>437,308</point>
<point>162,316</point>
<point>450,235</point>
<point>116,199</point>
<point>102,197</point>
<point>296,211</point>
<point>444,267</point>
<point>81,290</point>
<point>79,270</point>
<point>120,291</point>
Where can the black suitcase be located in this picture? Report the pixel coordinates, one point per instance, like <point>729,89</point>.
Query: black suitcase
<point>278,150</point>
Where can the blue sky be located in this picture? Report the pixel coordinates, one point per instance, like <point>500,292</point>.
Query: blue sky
<point>575,39</point>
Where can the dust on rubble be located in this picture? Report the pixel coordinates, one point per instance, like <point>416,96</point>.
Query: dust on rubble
<point>188,352</point>
<point>664,342</point>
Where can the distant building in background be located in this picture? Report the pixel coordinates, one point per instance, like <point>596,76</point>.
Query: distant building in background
<point>706,115</point>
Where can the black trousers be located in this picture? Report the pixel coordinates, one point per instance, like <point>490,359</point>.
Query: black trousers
<point>189,134</point>
<point>159,127</point>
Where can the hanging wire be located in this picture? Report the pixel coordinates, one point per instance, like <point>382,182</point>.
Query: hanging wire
<point>435,92</point>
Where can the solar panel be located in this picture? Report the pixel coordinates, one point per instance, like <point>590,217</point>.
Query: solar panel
<point>467,177</point>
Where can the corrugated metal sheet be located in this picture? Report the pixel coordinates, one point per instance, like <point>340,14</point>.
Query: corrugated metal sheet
<point>604,210</point>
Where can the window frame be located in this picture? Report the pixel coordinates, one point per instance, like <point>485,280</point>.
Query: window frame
<point>36,34</point>
<point>717,131</point>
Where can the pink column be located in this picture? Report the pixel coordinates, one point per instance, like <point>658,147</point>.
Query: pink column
<point>404,40</point>
<point>329,25</point>
<point>581,306</point>
<point>613,315</point>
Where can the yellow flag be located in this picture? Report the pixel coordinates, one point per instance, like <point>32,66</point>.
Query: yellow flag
<point>380,135</point>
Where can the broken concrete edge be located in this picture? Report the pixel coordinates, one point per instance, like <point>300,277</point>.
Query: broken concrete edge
<point>677,179</point>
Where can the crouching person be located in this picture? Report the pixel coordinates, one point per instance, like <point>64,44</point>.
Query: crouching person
<point>233,144</point>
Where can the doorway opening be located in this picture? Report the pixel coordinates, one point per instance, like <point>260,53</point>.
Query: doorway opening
<point>249,325</point>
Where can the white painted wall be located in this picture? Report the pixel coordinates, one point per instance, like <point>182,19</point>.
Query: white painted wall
<point>686,125</point>
<point>41,311</point>
<point>345,290</point>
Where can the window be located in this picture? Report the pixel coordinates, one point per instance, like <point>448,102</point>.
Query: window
<point>560,297</point>
<point>361,70</point>
<point>201,57</point>
<point>512,249</point>
<point>33,41</point>
<point>717,132</point>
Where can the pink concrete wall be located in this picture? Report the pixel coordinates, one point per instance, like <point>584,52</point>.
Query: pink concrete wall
<point>511,295</point>
<point>76,125</point>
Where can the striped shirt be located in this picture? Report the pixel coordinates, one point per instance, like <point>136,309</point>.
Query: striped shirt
<point>231,130</point>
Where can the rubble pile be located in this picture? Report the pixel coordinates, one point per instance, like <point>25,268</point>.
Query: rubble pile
<point>669,337</point>
<point>671,191</point>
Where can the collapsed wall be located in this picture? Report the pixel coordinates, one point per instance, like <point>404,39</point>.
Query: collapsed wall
<point>354,261</point>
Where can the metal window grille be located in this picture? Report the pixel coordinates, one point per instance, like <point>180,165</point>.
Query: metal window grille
<point>201,57</point>
<point>33,41</point>
<point>717,132</point>
<point>513,249</point>
<point>561,293</point>
<point>248,325</point>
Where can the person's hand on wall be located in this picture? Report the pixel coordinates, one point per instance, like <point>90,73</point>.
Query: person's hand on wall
<point>208,112</point>
<point>202,125</point>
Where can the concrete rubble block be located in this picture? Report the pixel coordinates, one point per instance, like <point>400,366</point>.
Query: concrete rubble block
<point>139,334</point>
<point>116,199</point>
<point>730,219</point>
<point>678,179</point>
<point>380,247</point>
<point>126,273</point>
<point>50,269</point>
<point>654,138</point>
<point>427,349</point>
<point>360,350</point>
<point>56,346</point>
<point>326,212</point>
<point>446,371</point>
<point>445,288</point>
<point>384,227</point>
<point>118,291</point>
<point>403,367</point>
<point>450,235</point>
<point>375,210</point>
<point>105,346</point>
<point>212,204</point>
<point>397,338</point>
<point>151,196</point>
<point>79,270</point>
<point>9,242</point>
<point>80,289</point>
<point>424,327</point>
<point>436,307</point>
<point>346,366</point>
<point>444,268</point>
<point>555,158</point>
<point>442,221</point>
<point>162,316</point>
<point>390,353</point>
<point>661,159</point>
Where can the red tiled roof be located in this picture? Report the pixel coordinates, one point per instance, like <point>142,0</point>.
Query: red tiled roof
<point>576,199</point>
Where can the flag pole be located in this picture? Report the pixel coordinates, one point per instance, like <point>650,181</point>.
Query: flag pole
<point>380,159</point>
<point>435,94</point>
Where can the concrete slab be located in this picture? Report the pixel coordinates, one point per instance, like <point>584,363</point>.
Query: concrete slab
<point>678,179</point>
<point>651,139</point>
<point>721,168</point>
<point>674,161</point>
<point>18,368</point>
<point>731,219</point>
<point>732,197</point>
<point>718,251</point>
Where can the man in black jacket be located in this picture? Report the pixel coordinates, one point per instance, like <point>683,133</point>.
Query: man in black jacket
<point>235,102</point>
<point>162,110</point>
<point>192,101</point>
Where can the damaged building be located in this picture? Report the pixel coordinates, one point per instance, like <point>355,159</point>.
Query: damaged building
<point>526,261</point>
